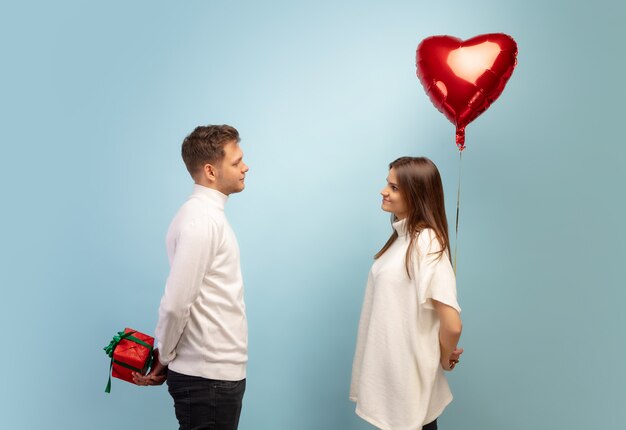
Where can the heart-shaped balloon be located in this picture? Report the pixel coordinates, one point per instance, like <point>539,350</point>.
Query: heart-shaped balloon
<point>463,78</point>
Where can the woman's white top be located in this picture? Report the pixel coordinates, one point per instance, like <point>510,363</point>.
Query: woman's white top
<point>397,379</point>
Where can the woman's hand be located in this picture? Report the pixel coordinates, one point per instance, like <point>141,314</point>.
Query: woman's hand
<point>452,360</point>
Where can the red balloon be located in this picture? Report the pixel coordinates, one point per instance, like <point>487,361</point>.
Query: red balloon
<point>463,78</point>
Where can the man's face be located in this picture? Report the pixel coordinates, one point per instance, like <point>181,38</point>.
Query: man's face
<point>231,173</point>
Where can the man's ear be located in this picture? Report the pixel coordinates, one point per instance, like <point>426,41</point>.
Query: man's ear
<point>209,172</point>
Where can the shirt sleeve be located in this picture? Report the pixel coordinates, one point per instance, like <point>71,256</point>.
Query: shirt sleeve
<point>434,276</point>
<point>196,247</point>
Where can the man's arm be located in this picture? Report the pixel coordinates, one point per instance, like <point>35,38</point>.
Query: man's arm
<point>196,246</point>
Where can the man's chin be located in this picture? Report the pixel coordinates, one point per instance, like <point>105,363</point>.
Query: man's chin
<point>239,189</point>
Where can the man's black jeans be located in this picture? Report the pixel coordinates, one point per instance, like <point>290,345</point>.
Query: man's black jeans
<point>205,404</point>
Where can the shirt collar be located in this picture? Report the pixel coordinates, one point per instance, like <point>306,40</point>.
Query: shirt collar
<point>215,197</point>
<point>400,227</point>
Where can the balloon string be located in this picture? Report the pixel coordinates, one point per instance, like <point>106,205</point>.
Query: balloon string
<point>458,204</point>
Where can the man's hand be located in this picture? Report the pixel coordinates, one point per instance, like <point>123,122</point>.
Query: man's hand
<point>156,375</point>
<point>450,362</point>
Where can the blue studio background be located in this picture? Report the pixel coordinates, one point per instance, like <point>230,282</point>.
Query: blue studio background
<point>96,97</point>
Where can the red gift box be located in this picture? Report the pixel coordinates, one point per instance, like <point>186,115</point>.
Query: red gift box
<point>130,351</point>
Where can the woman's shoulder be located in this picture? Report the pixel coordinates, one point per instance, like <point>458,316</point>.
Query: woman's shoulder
<point>427,241</point>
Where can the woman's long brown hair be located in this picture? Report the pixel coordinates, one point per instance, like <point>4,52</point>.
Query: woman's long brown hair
<point>420,184</point>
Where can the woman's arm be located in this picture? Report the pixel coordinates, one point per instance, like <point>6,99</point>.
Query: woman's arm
<point>449,333</point>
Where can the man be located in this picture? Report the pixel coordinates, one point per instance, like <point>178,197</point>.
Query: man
<point>202,329</point>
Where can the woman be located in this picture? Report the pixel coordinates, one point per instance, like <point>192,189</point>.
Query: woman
<point>410,322</point>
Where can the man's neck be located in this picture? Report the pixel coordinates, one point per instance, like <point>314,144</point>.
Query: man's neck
<point>210,185</point>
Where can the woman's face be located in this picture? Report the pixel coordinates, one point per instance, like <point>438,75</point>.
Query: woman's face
<point>393,199</point>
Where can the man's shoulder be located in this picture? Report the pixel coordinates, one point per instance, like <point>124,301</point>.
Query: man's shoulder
<point>196,206</point>
<point>195,213</point>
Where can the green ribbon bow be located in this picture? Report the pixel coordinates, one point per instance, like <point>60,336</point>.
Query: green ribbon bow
<point>110,349</point>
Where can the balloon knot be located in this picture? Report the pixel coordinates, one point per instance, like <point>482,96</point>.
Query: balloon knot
<point>460,138</point>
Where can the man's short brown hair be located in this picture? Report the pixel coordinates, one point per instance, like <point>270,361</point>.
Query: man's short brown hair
<point>205,145</point>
